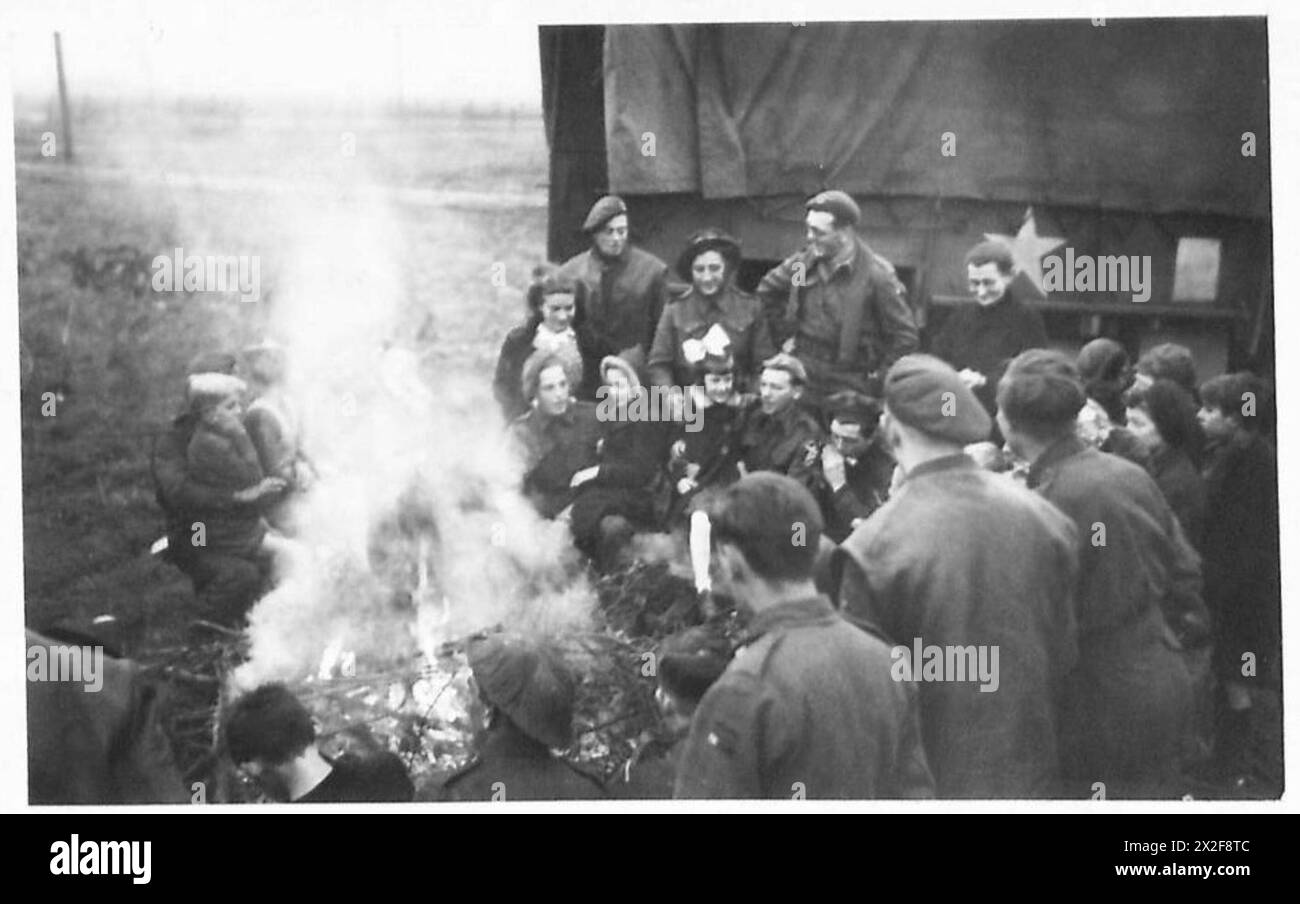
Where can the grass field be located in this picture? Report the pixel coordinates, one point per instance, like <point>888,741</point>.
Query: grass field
<point>219,179</point>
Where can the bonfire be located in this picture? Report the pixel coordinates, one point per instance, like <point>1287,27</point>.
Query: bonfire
<point>417,705</point>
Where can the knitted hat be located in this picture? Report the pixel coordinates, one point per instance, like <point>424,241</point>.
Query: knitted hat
<point>202,391</point>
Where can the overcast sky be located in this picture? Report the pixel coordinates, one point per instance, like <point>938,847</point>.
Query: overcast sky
<point>445,50</point>
<point>340,50</point>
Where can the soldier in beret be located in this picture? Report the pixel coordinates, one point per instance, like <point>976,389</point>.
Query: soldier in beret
<point>710,315</point>
<point>837,304</point>
<point>856,466</point>
<point>960,558</point>
<point>527,694</point>
<point>1126,702</point>
<point>779,434</point>
<point>808,708</point>
<point>626,287</point>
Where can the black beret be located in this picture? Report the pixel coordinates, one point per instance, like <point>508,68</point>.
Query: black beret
<point>602,212</point>
<point>926,393</point>
<point>837,202</point>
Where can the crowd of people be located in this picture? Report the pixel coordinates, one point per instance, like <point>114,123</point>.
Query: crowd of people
<point>989,570</point>
<point>1108,527</point>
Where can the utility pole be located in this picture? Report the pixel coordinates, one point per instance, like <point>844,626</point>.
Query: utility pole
<point>63,99</point>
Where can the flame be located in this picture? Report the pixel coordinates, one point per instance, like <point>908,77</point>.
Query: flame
<point>416,532</point>
<point>328,659</point>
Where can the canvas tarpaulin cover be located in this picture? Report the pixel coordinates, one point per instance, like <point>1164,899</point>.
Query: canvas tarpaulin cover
<point>1133,115</point>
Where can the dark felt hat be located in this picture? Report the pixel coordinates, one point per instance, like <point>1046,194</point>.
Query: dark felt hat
<point>528,682</point>
<point>708,240</point>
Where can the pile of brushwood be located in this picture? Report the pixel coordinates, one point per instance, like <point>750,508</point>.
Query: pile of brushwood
<point>420,709</point>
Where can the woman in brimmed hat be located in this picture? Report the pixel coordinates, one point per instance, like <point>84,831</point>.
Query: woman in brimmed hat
<point>555,309</point>
<point>711,316</point>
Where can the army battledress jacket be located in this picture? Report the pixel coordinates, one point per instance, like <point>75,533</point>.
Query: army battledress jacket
<point>807,708</point>
<point>849,319</point>
<point>961,557</point>
<point>788,442</point>
<point>691,316</point>
<point>623,299</point>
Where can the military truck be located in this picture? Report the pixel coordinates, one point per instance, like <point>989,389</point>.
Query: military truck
<point>1115,142</point>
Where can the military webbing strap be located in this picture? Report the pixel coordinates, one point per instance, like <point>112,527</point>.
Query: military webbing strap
<point>792,307</point>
